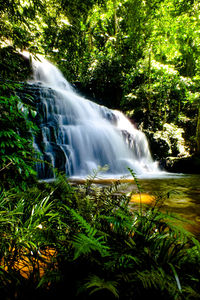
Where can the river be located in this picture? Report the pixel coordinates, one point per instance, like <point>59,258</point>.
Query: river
<point>181,194</point>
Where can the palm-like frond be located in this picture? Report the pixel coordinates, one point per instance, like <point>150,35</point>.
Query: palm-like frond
<point>95,284</point>
<point>85,244</point>
<point>88,240</point>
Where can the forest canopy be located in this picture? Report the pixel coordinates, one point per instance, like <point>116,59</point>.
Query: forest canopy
<point>136,55</point>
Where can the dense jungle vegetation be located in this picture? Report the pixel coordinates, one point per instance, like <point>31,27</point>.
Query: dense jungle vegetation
<point>88,242</point>
<point>139,56</point>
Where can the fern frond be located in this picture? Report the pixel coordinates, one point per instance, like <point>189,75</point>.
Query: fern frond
<point>120,222</point>
<point>176,277</point>
<point>191,293</point>
<point>84,244</point>
<point>155,278</point>
<point>127,259</point>
<point>95,172</point>
<point>95,283</point>
<point>83,224</point>
<point>139,187</point>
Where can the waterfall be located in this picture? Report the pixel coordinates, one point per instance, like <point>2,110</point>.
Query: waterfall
<point>77,135</point>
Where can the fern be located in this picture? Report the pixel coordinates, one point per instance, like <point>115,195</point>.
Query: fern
<point>83,224</point>
<point>95,283</point>
<point>120,222</point>
<point>127,261</point>
<point>176,277</point>
<point>91,240</point>
<point>191,293</point>
<point>151,278</point>
<point>156,278</point>
<point>84,244</point>
<point>139,187</point>
<point>97,171</point>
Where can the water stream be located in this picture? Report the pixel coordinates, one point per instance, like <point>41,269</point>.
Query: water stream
<point>77,135</point>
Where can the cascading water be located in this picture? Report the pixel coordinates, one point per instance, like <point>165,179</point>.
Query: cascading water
<point>78,135</point>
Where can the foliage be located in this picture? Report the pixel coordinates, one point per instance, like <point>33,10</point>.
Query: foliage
<point>89,241</point>
<point>161,89</point>
<point>16,149</point>
<point>13,66</point>
<point>141,56</point>
<point>173,136</point>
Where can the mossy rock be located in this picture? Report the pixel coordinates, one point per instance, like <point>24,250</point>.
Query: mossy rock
<point>167,142</point>
<point>159,146</point>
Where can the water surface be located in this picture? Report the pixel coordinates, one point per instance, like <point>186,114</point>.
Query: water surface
<point>181,195</point>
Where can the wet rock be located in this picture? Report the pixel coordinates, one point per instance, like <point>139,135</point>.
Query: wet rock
<point>167,142</point>
<point>187,165</point>
<point>160,148</point>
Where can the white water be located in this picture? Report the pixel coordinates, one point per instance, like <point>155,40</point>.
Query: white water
<point>78,135</point>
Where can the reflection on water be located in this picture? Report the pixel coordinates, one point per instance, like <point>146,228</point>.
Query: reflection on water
<point>181,195</point>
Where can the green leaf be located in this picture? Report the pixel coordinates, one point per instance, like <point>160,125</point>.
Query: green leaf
<point>176,277</point>
<point>95,283</point>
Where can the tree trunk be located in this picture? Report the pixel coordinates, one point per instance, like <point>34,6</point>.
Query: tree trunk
<point>115,17</point>
<point>198,131</point>
<point>149,82</point>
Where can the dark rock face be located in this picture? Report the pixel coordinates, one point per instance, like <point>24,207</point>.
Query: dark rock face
<point>159,146</point>
<point>33,94</point>
<point>167,142</point>
<point>187,165</point>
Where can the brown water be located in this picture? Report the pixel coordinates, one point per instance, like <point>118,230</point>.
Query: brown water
<point>181,195</point>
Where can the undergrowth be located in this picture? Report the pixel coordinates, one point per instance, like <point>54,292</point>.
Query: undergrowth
<point>84,242</point>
